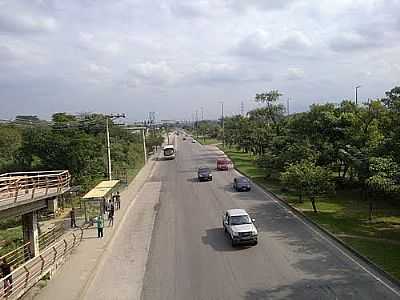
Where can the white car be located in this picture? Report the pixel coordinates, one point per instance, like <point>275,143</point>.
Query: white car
<point>240,227</point>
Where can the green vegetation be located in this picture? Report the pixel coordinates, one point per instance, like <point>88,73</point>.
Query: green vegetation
<point>208,141</point>
<point>74,143</point>
<point>10,234</point>
<point>345,214</point>
<point>338,163</point>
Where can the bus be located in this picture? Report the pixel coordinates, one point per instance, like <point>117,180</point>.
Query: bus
<point>169,152</point>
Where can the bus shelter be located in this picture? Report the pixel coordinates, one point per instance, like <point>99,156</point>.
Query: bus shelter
<point>95,200</point>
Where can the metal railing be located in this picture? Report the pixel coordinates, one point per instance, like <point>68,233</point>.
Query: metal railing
<point>14,285</point>
<point>49,237</point>
<point>21,254</point>
<point>22,186</point>
<point>18,256</point>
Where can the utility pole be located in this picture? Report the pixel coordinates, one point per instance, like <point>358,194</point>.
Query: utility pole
<point>202,120</point>
<point>111,116</point>
<point>197,125</point>
<point>357,87</point>
<point>287,106</point>
<point>144,145</point>
<point>108,150</point>
<point>223,124</point>
<point>242,108</point>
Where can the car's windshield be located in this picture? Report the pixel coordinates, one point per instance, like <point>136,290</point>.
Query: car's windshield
<point>239,220</point>
<point>243,180</point>
<point>204,170</point>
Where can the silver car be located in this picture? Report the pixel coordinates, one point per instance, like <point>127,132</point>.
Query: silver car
<point>240,227</point>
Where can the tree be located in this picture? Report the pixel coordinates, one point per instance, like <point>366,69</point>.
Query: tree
<point>309,180</point>
<point>273,112</point>
<point>63,118</point>
<point>384,178</point>
<point>10,142</point>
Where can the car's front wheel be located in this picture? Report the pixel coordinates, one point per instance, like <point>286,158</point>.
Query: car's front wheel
<point>233,243</point>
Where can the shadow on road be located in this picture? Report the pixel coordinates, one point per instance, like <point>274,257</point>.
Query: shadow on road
<point>219,241</point>
<point>311,289</point>
<point>193,179</point>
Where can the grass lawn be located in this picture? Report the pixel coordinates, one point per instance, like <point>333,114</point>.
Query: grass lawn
<point>10,239</point>
<point>133,172</point>
<point>343,214</point>
<point>208,141</point>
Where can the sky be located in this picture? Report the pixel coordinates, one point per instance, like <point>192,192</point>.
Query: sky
<point>176,57</point>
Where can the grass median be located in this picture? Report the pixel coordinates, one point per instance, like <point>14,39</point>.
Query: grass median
<point>344,214</point>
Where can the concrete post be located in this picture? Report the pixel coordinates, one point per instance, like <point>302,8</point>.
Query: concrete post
<point>52,205</point>
<point>31,232</point>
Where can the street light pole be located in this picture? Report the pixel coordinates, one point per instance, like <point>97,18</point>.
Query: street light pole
<point>223,124</point>
<point>202,122</point>
<point>357,87</point>
<point>108,150</point>
<point>144,145</point>
<point>197,125</point>
<point>108,141</point>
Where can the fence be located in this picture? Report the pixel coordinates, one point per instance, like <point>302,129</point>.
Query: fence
<point>20,255</point>
<point>21,186</point>
<point>49,237</point>
<point>14,285</point>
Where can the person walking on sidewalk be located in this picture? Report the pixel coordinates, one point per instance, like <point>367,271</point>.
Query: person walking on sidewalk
<point>111,215</point>
<point>73,219</point>
<point>6,270</point>
<point>100,226</point>
<point>117,201</point>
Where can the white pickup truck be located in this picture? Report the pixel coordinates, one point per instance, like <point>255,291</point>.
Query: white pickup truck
<point>239,226</point>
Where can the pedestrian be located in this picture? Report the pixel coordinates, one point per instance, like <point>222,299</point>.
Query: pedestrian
<point>111,216</point>
<point>6,270</point>
<point>117,201</point>
<point>100,226</point>
<point>73,220</point>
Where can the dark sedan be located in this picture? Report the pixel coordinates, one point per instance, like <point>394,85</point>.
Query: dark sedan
<point>204,174</point>
<point>241,184</point>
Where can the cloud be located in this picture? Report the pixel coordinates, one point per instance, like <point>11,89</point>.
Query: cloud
<point>353,41</point>
<point>240,5</point>
<point>101,43</point>
<point>96,73</point>
<point>295,74</point>
<point>218,73</point>
<point>26,23</point>
<point>190,9</point>
<point>151,74</point>
<point>17,53</point>
<point>6,54</point>
<point>261,44</point>
<point>167,49</point>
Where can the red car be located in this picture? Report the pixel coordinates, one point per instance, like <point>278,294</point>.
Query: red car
<point>223,164</point>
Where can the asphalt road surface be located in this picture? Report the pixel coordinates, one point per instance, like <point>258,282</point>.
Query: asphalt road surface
<point>191,258</point>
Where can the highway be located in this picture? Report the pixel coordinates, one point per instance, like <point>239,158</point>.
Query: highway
<point>191,258</point>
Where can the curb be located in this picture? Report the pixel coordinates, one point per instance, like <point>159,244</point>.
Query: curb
<point>372,265</point>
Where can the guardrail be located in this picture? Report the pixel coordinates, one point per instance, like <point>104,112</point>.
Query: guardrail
<point>22,186</point>
<point>16,284</point>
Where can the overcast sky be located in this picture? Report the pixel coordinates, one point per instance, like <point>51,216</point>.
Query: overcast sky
<point>176,56</point>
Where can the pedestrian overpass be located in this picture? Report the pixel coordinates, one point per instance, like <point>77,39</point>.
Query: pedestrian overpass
<point>24,194</point>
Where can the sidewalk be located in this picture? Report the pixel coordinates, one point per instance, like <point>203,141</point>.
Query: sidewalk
<point>71,280</point>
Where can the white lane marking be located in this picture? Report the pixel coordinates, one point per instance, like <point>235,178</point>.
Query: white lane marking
<point>321,235</point>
